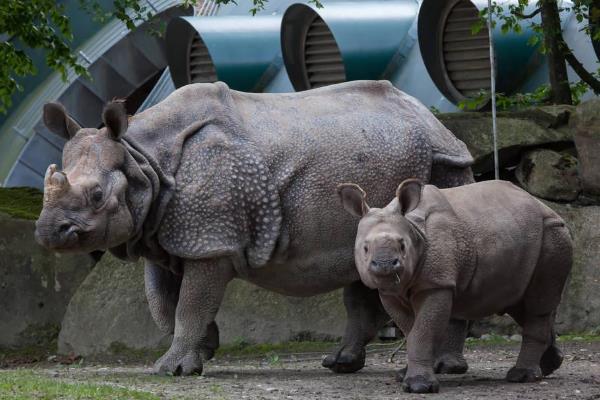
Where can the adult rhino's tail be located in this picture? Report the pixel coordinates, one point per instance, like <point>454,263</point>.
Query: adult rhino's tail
<point>450,170</point>
<point>451,159</point>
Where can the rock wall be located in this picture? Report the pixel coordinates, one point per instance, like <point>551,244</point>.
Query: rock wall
<point>35,285</point>
<point>109,313</point>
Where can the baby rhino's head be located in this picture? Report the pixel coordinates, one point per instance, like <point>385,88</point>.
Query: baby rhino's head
<point>388,247</point>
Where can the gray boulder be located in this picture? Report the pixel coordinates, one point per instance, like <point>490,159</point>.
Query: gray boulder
<point>516,131</point>
<point>585,124</point>
<point>580,307</point>
<point>549,175</point>
<point>109,314</point>
<point>35,285</point>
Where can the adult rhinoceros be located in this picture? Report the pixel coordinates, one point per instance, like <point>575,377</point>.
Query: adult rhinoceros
<point>213,184</point>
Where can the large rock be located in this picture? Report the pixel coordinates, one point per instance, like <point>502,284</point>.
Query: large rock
<point>109,314</point>
<point>255,315</point>
<point>516,131</point>
<point>586,126</point>
<point>35,285</point>
<point>549,175</point>
<point>580,307</point>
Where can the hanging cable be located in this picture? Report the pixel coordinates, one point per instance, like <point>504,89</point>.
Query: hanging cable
<point>493,94</point>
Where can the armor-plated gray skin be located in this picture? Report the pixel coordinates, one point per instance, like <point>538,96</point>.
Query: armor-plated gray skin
<point>465,252</point>
<point>213,184</point>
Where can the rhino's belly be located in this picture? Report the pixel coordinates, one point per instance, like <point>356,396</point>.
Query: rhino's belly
<point>307,275</point>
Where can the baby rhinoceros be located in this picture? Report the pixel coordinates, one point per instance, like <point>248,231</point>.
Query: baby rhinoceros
<point>466,252</point>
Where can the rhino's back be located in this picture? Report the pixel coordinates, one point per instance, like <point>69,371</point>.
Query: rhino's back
<point>361,111</point>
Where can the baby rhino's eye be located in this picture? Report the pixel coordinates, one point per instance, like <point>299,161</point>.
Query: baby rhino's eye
<point>366,249</point>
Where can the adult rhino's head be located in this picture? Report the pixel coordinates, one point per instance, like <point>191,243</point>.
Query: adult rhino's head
<point>388,247</point>
<point>85,206</point>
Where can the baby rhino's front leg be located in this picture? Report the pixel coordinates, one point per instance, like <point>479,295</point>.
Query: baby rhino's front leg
<point>432,310</point>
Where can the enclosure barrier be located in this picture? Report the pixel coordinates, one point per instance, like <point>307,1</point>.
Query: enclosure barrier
<point>242,51</point>
<point>343,41</point>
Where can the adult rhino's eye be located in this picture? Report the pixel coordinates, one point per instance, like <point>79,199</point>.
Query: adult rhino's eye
<point>97,196</point>
<point>366,249</point>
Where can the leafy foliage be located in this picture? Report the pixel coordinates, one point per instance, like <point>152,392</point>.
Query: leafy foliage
<point>539,96</point>
<point>512,18</point>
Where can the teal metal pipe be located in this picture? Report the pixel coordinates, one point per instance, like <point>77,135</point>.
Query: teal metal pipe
<point>244,50</point>
<point>368,35</point>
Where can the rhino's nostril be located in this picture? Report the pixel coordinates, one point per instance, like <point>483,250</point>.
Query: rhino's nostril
<point>396,263</point>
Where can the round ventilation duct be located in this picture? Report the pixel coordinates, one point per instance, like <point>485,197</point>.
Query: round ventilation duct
<point>343,41</point>
<point>238,50</point>
<point>458,60</point>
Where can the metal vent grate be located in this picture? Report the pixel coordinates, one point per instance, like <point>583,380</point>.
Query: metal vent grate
<point>466,56</point>
<point>322,57</point>
<point>202,69</point>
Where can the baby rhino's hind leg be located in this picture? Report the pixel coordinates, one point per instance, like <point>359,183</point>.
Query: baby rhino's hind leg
<point>539,355</point>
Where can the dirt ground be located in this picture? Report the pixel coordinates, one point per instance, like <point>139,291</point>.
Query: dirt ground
<point>301,377</point>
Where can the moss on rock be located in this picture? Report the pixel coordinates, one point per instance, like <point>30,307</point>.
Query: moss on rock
<point>21,202</point>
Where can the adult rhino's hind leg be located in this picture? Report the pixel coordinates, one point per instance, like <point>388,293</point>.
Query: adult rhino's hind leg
<point>202,289</point>
<point>365,316</point>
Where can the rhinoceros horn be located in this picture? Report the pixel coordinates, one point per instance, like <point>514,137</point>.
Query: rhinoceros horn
<point>55,182</point>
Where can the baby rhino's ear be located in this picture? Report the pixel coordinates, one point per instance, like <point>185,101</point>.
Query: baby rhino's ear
<point>353,199</point>
<point>409,195</point>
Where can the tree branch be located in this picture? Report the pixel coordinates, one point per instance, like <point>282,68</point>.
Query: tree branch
<point>528,16</point>
<point>580,69</point>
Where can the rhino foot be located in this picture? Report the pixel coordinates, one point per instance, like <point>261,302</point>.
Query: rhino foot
<point>179,362</point>
<point>450,364</point>
<point>524,374</point>
<point>551,360</point>
<point>346,359</point>
<point>421,384</point>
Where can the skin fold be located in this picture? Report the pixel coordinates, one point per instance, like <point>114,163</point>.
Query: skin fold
<point>466,253</point>
<point>212,185</point>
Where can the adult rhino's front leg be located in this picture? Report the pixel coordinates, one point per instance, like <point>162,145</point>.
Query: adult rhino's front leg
<point>202,289</point>
<point>365,316</point>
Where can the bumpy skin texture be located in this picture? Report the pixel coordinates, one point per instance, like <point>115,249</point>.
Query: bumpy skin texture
<point>221,184</point>
<point>465,253</point>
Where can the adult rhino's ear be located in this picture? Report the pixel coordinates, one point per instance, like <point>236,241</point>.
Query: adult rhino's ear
<point>409,195</point>
<point>114,117</point>
<point>353,199</point>
<point>58,121</point>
